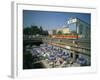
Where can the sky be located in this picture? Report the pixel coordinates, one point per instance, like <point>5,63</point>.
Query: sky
<point>51,20</point>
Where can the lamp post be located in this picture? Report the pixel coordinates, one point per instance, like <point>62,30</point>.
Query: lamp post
<point>77,30</point>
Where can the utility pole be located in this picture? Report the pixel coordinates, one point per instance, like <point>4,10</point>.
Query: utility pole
<point>77,26</point>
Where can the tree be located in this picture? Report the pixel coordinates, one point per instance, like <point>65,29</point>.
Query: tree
<point>45,33</point>
<point>41,30</point>
<point>34,30</point>
<point>27,31</point>
<point>54,32</point>
<point>60,32</point>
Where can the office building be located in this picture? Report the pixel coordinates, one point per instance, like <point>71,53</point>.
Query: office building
<point>79,27</point>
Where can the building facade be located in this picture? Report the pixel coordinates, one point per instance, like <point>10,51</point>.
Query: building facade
<point>64,30</point>
<point>79,27</point>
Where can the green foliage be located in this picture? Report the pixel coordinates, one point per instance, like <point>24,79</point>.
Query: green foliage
<point>60,32</point>
<point>27,31</point>
<point>34,30</point>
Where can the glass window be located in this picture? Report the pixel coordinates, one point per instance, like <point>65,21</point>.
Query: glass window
<point>72,27</point>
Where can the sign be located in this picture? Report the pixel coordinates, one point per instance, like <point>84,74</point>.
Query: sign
<point>72,21</point>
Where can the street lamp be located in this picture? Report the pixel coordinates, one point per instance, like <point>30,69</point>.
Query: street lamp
<point>77,28</point>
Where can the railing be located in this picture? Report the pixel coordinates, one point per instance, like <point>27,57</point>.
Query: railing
<point>85,49</point>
